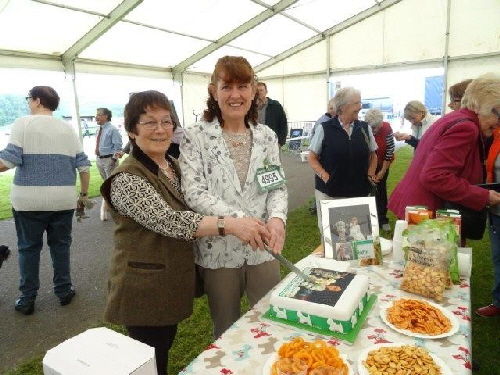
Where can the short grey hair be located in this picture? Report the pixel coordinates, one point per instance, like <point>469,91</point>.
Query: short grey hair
<point>374,117</point>
<point>482,94</point>
<point>343,97</point>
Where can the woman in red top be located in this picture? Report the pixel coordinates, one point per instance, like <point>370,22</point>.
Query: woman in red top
<point>385,155</point>
<point>447,164</point>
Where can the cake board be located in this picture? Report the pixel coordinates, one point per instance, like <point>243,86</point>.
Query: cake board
<point>349,337</point>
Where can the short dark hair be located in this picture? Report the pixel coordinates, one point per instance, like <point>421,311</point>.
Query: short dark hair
<point>233,69</point>
<point>262,84</point>
<point>105,112</point>
<point>139,102</point>
<point>48,96</point>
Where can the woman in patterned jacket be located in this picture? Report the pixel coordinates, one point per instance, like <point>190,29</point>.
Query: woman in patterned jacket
<point>231,166</point>
<point>152,272</point>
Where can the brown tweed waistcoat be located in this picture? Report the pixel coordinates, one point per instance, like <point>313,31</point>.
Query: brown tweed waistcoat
<point>151,281</point>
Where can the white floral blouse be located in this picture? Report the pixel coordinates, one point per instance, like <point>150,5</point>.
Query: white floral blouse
<point>211,187</point>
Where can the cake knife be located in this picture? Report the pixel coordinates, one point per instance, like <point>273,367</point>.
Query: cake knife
<point>291,266</point>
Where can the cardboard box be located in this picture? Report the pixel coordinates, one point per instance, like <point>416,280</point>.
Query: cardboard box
<point>415,214</point>
<point>100,351</point>
<point>456,219</point>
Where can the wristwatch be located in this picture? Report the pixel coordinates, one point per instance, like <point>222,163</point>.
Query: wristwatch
<point>83,194</point>
<point>221,225</point>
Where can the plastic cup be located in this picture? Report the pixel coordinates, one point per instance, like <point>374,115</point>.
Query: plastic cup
<point>291,366</point>
<point>327,370</point>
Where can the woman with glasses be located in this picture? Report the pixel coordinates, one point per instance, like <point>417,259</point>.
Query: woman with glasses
<point>420,119</point>
<point>456,92</point>
<point>231,166</point>
<point>449,161</point>
<point>152,272</point>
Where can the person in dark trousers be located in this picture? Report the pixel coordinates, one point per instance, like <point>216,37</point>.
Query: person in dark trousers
<point>385,156</point>
<point>47,155</point>
<point>271,113</point>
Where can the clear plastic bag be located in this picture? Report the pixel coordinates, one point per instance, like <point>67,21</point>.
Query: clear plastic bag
<point>427,270</point>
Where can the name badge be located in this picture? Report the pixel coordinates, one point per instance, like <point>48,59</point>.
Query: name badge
<point>269,178</point>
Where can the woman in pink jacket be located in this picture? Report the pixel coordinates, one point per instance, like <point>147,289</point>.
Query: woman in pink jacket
<point>449,160</point>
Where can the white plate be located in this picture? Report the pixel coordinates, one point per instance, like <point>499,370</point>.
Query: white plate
<point>385,246</point>
<point>266,370</point>
<point>455,325</point>
<point>362,370</point>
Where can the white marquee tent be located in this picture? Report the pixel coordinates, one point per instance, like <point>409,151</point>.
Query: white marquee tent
<point>296,46</point>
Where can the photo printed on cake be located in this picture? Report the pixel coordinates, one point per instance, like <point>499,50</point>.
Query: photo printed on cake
<point>348,225</point>
<point>327,288</point>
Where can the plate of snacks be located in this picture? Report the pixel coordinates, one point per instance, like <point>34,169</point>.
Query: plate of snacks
<point>400,358</point>
<point>313,353</point>
<point>419,318</point>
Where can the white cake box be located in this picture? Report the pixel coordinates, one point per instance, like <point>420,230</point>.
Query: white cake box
<point>100,351</point>
<point>303,156</point>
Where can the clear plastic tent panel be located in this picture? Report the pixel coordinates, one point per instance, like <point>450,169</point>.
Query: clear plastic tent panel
<point>139,45</point>
<point>207,64</point>
<point>270,37</point>
<point>98,6</point>
<point>324,14</point>
<point>34,27</point>
<point>208,19</point>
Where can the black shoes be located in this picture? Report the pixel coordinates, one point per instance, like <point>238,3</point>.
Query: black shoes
<point>25,307</point>
<point>66,299</point>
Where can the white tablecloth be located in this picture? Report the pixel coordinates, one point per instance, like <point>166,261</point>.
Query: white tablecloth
<point>245,347</point>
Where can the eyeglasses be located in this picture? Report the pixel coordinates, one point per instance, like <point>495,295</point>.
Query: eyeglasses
<point>166,123</point>
<point>496,112</point>
<point>28,98</point>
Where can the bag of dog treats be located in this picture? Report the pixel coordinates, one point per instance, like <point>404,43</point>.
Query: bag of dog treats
<point>427,270</point>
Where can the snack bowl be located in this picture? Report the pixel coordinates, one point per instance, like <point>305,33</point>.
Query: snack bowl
<point>362,370</point>
<point>455,325</point>
<point>267,369</point>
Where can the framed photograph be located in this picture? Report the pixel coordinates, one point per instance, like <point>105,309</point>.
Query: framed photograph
<point>348,225</point>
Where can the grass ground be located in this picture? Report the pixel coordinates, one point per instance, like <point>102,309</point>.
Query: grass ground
<point>194,333</point>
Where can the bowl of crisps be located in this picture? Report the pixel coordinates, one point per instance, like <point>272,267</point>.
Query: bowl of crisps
<point>419,318</point>
<point>315,354</point>
<point>400,357</point>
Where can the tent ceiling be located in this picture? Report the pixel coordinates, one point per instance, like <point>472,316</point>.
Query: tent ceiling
<point>174,35</point>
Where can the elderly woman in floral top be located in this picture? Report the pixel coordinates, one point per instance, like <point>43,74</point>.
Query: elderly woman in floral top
<point>152,273</point>
<point>230,166</point>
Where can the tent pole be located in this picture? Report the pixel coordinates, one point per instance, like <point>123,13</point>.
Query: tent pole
<point>445,57</point>
<point>69,68</point>
<point>328,72</point>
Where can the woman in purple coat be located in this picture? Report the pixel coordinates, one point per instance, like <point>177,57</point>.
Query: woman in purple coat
<point>449,160</point>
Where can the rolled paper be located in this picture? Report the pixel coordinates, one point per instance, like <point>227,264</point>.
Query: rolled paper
<point>399,227</point>
<point>464,264</point>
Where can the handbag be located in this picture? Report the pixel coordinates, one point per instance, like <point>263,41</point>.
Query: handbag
<point>473,222</point>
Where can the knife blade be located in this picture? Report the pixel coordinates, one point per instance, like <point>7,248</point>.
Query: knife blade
<point>291,266</point>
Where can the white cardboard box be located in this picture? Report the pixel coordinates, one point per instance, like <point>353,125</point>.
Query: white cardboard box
<point>304,155</point>
<point>100,351</point>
